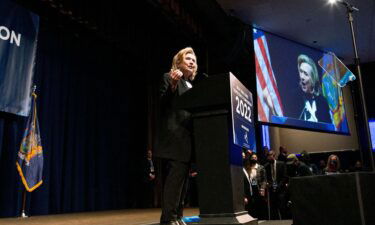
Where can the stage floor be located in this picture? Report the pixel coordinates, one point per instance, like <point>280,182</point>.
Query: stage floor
<point>116,217</point>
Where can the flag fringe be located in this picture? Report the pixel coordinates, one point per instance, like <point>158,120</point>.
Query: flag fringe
<point>24,180</point>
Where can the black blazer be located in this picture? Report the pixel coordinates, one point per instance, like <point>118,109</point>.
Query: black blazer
<point>281,174</point>
<point>322,109</point>
<point>261,177</point>
<point>174,126</point>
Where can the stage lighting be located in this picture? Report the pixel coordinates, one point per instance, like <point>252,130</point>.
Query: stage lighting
<point>346,4</point>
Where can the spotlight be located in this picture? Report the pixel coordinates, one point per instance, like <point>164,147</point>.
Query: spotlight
<point>346,4</point>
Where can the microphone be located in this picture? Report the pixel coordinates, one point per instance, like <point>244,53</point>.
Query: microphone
<point>303,112</point>
<point>202,76</point>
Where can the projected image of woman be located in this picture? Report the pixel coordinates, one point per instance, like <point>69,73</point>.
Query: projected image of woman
<point>315,108</point>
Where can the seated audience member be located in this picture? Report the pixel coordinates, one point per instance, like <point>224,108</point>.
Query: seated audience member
<point>333,164</point>
<point>322,167</point>
<point>357,167</point>
<point>296,168</point>
<point>305,158</point>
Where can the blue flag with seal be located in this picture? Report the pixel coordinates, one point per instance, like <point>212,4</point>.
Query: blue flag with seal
<point>30,155</point>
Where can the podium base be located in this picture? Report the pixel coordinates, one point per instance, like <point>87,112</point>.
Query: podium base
<point>226,219</point>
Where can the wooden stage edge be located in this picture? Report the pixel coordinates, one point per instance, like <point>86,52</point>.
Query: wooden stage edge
<point>115,217</point>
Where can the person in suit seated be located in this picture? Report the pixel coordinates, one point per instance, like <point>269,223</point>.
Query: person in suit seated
<point>173,145</point>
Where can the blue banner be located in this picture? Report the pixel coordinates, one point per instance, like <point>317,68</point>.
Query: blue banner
<point>242,114</point>
<point>18,41</point>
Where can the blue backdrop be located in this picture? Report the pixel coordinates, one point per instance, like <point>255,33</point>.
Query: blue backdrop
<point>18,38</point>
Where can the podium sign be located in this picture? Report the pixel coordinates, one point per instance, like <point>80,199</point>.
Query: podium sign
<point>242,114</point>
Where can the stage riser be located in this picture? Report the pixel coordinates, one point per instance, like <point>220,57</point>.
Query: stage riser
<point>340,199</point>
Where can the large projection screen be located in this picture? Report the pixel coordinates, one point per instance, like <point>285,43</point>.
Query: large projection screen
<point>293,90</point>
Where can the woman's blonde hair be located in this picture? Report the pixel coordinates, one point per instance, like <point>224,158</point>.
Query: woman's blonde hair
<point>314,73</point>
<point>329,167</point>
<point>179,57</point>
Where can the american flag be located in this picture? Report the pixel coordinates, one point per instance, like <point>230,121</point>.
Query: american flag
<point>266,83</point>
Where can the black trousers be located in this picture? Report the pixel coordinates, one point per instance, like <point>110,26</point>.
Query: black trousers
<point>278,204</point>
<point>257,206</point>
<point>175,176</point>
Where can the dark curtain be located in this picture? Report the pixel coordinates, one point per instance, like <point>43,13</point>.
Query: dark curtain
<point>94,107</point>
<point>92,114</point>
<point>96,104</point>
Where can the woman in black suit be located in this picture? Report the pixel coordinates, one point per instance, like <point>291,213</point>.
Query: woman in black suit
<point>173,143</point>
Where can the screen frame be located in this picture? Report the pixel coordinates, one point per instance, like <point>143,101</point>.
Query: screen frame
<point>372,120</point>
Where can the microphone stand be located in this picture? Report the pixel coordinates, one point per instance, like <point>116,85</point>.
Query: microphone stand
<point>350,9</point>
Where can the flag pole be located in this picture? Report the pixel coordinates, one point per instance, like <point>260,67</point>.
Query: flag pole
<point>30,155</point>
<point>23,213</point>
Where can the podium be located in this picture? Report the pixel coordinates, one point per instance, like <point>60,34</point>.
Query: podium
<point>219,160</point>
